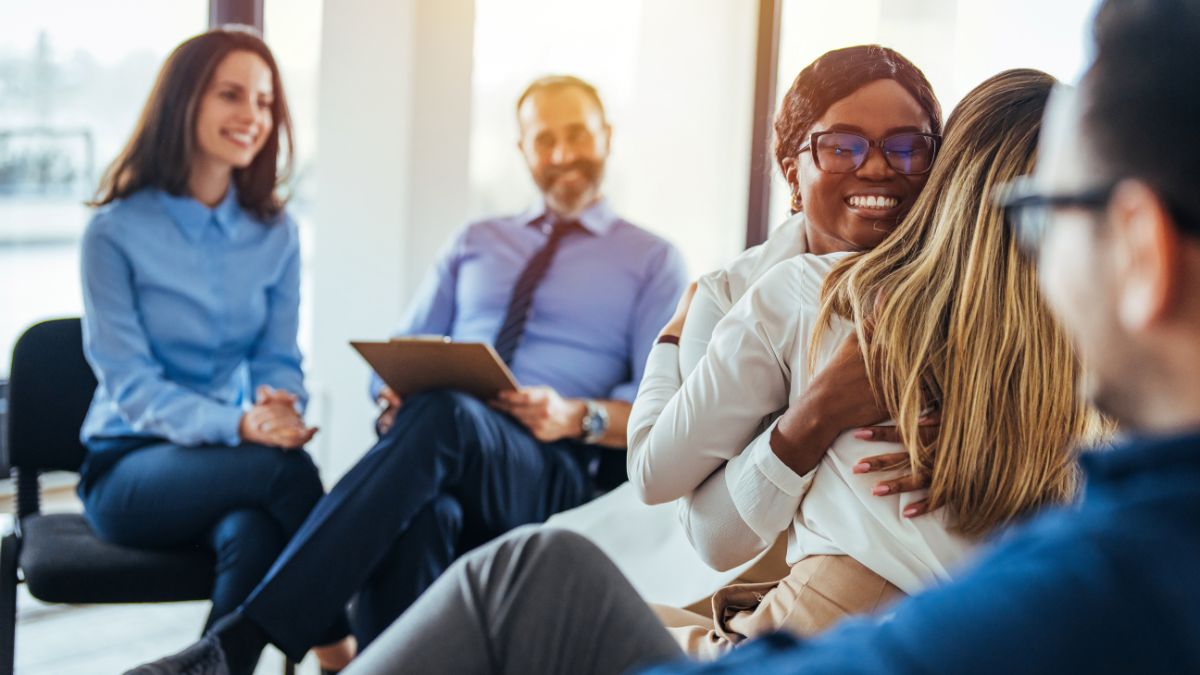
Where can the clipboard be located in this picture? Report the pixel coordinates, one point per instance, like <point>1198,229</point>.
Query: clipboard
<point>413,365</point>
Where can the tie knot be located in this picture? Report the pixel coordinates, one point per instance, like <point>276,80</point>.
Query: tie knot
<point>563,227</point>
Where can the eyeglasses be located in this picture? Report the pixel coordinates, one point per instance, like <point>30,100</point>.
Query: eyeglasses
<point>846,152</point>
<point>1028,212</point>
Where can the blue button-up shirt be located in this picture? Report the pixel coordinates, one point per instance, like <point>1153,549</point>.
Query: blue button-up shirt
<point>609,290</point>
<point>186,310</point>
<point>1110,586</point>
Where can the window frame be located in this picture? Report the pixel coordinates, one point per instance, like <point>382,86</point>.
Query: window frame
<point>245,12</point>
<point>766,73</point>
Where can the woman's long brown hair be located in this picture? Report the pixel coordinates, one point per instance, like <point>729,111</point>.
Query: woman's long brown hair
<point>949,315</point>
<point>160,152</point>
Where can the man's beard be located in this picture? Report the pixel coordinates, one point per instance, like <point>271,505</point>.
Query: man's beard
<point>571,199</point>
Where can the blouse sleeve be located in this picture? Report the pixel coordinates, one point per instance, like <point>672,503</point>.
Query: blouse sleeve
<point>737,512</point>
<point>680,435</point>
<point>275,359</point>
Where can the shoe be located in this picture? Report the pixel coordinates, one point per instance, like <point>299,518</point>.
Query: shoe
<point>202,658</point>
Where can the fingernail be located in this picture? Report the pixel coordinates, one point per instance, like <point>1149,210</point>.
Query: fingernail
<point>880,490</point>
<point>910,511</point>
<point>864,434</point>
<point>862,467</point>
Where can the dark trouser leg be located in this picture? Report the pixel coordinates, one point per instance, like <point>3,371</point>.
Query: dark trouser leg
<point>417,558</point>
<point>539,600</point>
<point>241,502</point>
<point>246,542</point>
<point>442,443</point>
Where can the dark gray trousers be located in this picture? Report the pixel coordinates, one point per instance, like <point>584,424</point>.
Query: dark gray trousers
<point>538,600</point>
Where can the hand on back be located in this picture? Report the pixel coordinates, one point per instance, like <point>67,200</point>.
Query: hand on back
<point>674,327</point>
<point>839,399</point>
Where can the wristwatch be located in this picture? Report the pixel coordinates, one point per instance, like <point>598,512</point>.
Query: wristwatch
<point>595,421</point>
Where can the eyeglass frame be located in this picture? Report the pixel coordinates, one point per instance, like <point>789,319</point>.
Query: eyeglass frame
<point>1020,194</point>
<point>811,146</point>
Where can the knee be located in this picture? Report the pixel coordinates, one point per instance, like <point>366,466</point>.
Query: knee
<point>248,540</point>
<point>548,548</point>
<point>291,488</point>
<point>439,410</point>
<point>436,423</point>
<point>558,548</point>
<point>296,474</point>
<point>447,514</point>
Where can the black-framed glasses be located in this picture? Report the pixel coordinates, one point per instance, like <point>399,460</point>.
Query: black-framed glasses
<point>909,153</point>
<point>1028,211</point>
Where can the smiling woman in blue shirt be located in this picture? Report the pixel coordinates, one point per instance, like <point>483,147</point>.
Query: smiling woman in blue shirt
<point>191,282</point>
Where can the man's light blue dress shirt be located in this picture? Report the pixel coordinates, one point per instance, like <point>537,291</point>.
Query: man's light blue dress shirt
<point>187,310</point>
<point>609,290</point>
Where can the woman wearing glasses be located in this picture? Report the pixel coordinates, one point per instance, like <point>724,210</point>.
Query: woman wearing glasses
<point>856,136</point>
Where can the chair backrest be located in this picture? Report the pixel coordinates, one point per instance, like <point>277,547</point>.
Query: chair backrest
<point>50,387</point>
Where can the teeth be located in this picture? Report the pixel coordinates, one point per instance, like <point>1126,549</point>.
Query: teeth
<point>873,202</point>
<point>240,138</point>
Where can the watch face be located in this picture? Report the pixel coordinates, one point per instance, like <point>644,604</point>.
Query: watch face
<point>595,422</point>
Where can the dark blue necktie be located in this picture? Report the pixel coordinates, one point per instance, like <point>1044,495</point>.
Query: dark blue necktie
<point>513,328</point>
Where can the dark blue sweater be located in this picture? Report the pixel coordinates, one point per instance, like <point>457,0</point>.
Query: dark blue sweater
<point>1110,585</point>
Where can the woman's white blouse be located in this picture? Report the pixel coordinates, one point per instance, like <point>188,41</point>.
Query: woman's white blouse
<point>703,439</point>
<point>717,291</point>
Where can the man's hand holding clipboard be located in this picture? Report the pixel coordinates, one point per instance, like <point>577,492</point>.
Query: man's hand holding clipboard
<point>413,365</point>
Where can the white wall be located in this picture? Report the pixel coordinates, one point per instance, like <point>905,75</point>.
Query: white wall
<point>393,135</point>
<point>686,152</point>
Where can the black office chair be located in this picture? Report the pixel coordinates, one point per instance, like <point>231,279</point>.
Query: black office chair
<point>58,556</point>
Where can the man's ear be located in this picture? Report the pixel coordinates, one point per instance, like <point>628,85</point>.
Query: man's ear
<point>607,135</point>
<point>1148,261</point>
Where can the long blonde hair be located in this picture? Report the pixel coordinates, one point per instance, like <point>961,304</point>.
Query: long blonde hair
<point>949,315</point>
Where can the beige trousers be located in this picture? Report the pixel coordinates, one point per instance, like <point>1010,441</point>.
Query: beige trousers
<point>817,592</point>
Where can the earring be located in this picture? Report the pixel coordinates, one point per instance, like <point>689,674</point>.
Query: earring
<point>796,205</point>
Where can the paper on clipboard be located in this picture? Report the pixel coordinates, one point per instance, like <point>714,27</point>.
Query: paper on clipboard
<point>413,365</point>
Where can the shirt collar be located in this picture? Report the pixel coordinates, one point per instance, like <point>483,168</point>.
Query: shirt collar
<point>599,218</point>
<point>193,217</point>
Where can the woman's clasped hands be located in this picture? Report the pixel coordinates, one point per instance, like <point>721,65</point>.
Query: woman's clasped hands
<point>274,421</point>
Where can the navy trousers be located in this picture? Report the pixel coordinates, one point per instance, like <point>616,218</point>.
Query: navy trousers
<point>450,474</point>
<point>243,503</point>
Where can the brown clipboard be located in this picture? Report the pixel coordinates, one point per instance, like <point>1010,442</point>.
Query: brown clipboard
<point>413,365</point>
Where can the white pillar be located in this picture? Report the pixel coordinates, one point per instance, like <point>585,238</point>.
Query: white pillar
<point>686,151</point>
<point>393,139</point>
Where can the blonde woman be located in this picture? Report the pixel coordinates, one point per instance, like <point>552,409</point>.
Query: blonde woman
<point>950,318</point>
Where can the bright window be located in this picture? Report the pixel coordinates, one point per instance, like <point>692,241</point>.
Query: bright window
<point>73,77</point>
<point>292,29</point>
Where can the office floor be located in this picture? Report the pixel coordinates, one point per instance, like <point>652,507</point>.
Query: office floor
<point>107,639</point>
